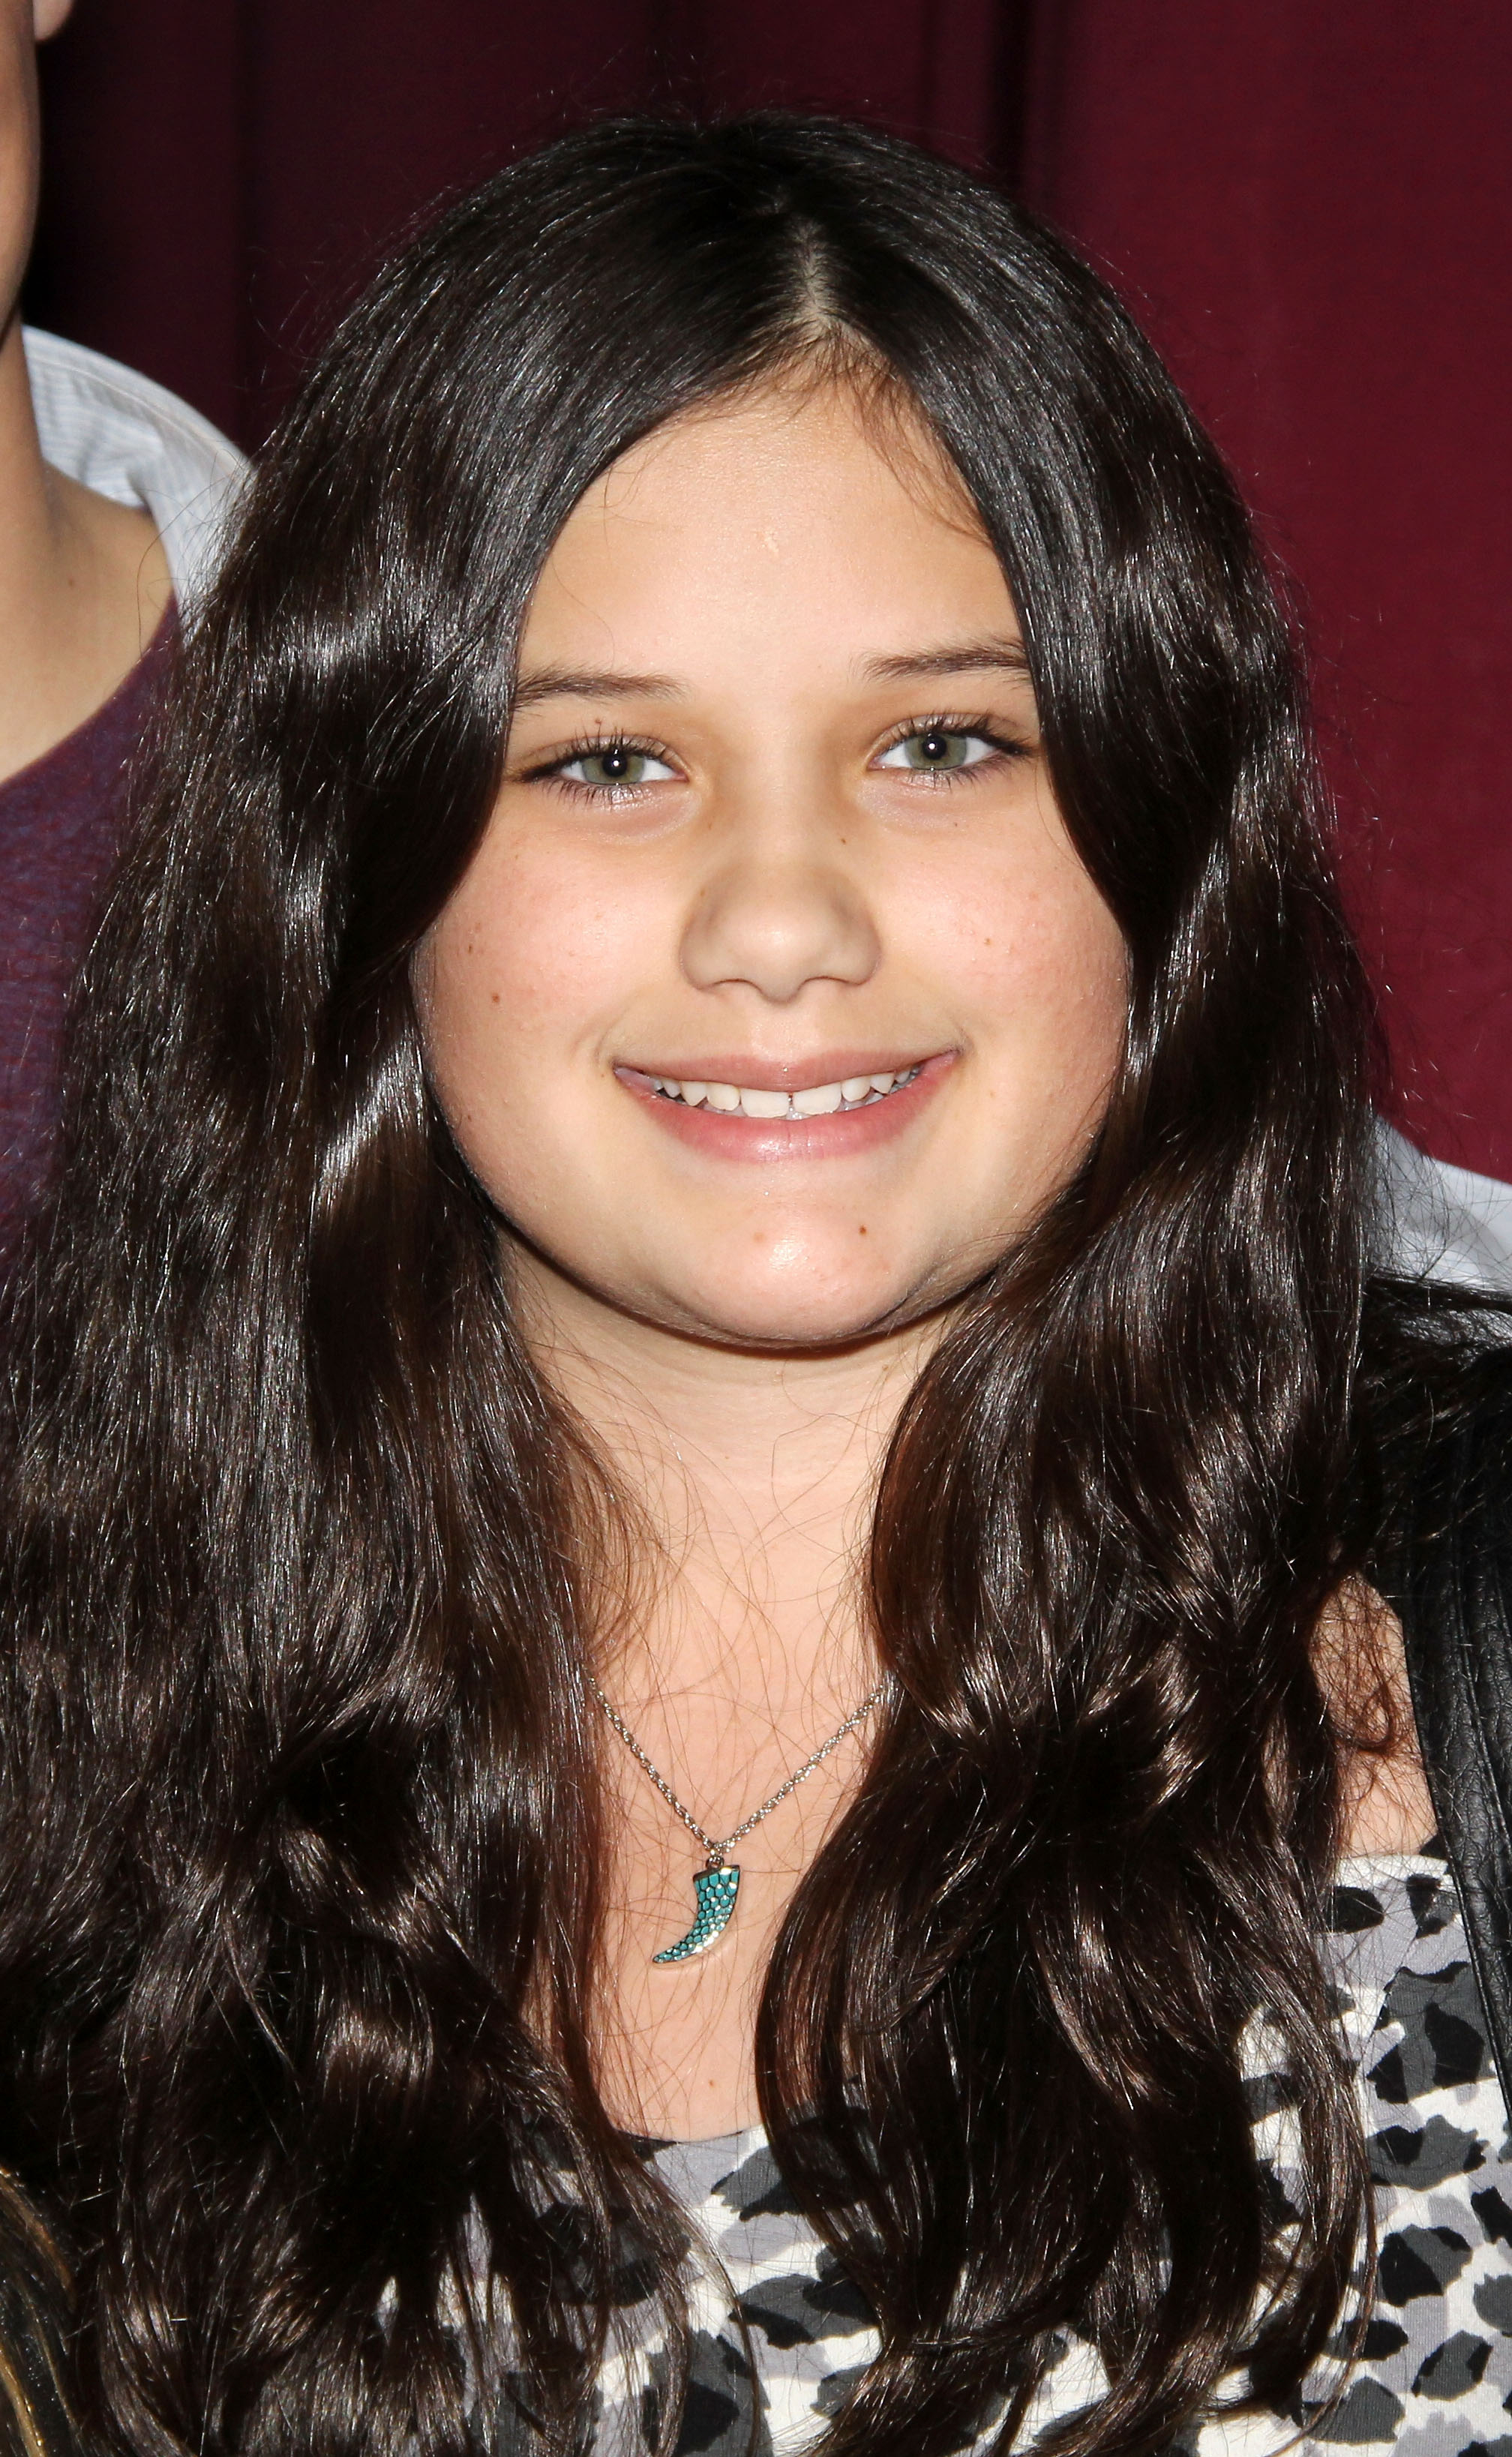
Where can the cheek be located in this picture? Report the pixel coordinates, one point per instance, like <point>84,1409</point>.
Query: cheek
<point>1051,1006</point>
<point>1071,976</point>
<point>527,965</point>
<point>1040,972</point>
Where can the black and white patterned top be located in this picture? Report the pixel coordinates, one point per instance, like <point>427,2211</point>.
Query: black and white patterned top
<point>1436,2376</point>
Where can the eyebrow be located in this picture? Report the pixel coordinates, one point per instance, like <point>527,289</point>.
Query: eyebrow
<point>560,682</point>
<point>972,656</point>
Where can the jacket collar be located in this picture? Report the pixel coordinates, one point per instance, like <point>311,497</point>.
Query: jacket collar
<point>130,440</point>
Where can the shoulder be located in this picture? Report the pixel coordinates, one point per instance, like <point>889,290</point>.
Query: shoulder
<point>1435,1477</point>
<point>1438,1222</point>
<point>1436,1436</point>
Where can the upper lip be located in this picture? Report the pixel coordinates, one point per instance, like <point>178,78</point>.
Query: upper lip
<point>784,1074</point>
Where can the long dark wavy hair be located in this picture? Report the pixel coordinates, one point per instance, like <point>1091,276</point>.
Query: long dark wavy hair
<point>296,1927</point>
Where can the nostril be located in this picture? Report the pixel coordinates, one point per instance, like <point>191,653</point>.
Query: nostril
<point>775,931</point>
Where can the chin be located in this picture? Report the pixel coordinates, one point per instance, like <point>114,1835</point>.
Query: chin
<point>785,1316</point>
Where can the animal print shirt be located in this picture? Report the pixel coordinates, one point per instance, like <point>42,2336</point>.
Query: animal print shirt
<point>1434,2379</point>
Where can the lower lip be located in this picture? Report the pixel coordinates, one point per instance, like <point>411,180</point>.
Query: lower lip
<point>842,1135</point>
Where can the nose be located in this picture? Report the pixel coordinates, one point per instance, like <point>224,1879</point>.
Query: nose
<point>776,917</point>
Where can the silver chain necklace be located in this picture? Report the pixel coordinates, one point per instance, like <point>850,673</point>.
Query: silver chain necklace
<point>718,1882</point>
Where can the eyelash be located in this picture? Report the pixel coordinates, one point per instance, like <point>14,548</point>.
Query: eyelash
<point>549,770</point>
<point>976,729</point>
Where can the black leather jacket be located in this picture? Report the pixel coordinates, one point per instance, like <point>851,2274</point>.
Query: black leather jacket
<point>1447,1571</point>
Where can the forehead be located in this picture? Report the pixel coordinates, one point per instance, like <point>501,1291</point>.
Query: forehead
<point>807,516</point>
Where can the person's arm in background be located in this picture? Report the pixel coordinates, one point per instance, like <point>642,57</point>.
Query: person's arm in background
<point>84,582</point>
<point>112,496</point>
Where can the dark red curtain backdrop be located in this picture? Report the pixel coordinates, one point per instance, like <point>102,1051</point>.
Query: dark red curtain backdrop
<point>1309,207</point>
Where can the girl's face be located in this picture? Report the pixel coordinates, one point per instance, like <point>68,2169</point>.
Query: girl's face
<point>775,1003</point>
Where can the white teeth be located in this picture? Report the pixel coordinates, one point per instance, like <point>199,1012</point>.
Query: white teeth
<point>820,1101</point>
<point>752,1101</point>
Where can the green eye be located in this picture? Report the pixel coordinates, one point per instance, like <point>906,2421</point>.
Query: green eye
<point>936,752</point>
<point>618,768</point>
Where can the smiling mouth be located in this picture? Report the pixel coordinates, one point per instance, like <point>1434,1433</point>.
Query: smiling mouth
<point>811,1101</point>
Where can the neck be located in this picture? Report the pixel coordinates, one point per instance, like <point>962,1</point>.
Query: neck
<point>83,583</point>
<point>751,1478</point>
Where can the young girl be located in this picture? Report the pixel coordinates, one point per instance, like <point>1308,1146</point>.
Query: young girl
<point>706,1465</point>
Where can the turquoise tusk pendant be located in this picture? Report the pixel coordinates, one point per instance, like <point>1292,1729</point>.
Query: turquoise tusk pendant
<point>716,1889</point>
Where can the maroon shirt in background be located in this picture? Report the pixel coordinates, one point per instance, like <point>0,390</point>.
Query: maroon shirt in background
<point>60,825</point>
